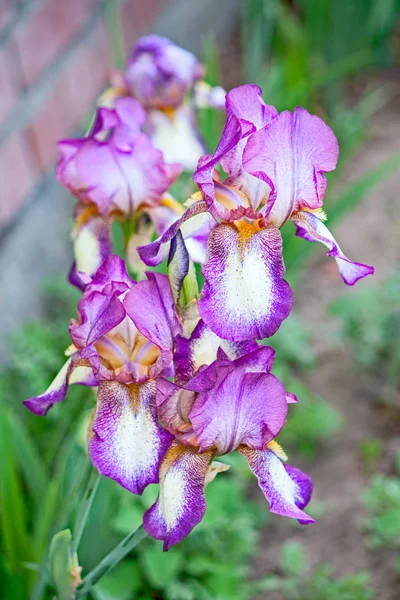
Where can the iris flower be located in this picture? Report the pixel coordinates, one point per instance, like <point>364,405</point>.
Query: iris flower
<point>122,342</point>
<point>166,80</point>
<point>275,165</point>
<point>115,173</point>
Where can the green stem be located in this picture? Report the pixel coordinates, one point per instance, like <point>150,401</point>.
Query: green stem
<point>111,560</point>
<point>84,508</point>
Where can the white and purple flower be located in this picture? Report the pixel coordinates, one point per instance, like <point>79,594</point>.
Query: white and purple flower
<point>115,173</point>
<point>275,165</point>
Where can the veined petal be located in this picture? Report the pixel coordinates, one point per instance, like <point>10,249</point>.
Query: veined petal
<point>154,253</point>
<point>173,407</point>
<point>181,504</point>
<point>244,294</point>
<point>287,489</point>
<point>241,408</point>
<point>291,155</point>
<point>311,228</point>
<point>128,442</point>
<point>73,371</point>
<point>99,315</point>
<point>150,305</point>
<point>201,349</point>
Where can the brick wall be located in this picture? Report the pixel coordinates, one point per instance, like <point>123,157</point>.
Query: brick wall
<point>54,60</point>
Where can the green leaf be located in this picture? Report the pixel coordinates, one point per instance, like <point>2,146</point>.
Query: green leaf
<point>161,567</point>
<point>64,568</point>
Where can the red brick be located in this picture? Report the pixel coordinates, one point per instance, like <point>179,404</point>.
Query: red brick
<point>72,95</point>
<point>6,12</point>
<point>9,91</point>
<point>17,175</point>
<point>44,34</point>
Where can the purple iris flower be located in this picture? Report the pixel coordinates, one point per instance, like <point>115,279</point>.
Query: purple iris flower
<point>232,404</point>
<point>166,80</point>
<point>275,165</point>
<point>115,173</point>
<point>122,342</point>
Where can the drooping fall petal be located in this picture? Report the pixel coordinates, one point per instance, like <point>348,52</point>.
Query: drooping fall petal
<point>311,228</point>
<point>244,295</point>
<point>128,443</point>
<point>287,489</point>
<point>181,504</point>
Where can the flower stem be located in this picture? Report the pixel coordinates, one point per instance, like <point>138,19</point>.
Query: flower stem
<point>84,508</point>
<point>111,560</point>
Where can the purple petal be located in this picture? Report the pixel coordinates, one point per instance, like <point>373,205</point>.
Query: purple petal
<point>128,442</point>
<point>244,295</point>
<point>291,155</point>
<point>160,73</point>
<point>286,488</point>
<point>154,253</point>
<point>111,277</point>
<point>201,349</point>
<point>310,227</point>
<point>181,504</point>
<point>73,371</point>
<point>150,305</point>
<point>173,407</point>
<point>242,408</point>
<point>99,314</point>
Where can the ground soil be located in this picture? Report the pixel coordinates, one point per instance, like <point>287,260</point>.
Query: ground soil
<point>371,235</point>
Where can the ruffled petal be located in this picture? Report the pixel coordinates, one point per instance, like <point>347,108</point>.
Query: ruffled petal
<point>287,489</point>
<point>244,294</point>
<point>291,155</point>
<point>311,228</point>
<point>73,371</point>
<point>201,349</point>
<point>128,443</point>
<point>99,314</point>
<point>150,305</point>
<point>241,408</point>
<point>173,407</point>
<point>181,504</point>
<point>154,253</point>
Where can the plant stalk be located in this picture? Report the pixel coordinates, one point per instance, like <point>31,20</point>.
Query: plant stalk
<point>111,560</point>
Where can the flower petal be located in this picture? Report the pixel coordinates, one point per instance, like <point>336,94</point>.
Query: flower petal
<point>92,245</point>
<point>150,305</point>
<point>201,349</point>
<point>154,253</point>
<point>181,504</point>
<point>128,442</point>
<point>177,136</point>
<point>310,227</point>
<point>241,408</point>
<point>287,489</point>
<point>73,371</point>
<point>244,295</point>
<point>291,155</point>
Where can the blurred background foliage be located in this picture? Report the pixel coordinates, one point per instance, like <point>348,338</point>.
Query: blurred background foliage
<point>322,55</point>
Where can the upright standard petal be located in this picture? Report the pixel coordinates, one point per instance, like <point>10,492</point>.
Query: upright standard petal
<point>311,228</point>
<point>242,408</point>
<point>244,294</point>
<point>150,305</point>
<point>291,155</point>
<point>181,504</point>
<point>287,489</point>
<point>128,443</point>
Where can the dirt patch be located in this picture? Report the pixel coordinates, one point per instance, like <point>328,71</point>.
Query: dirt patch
<point>371,235</point>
